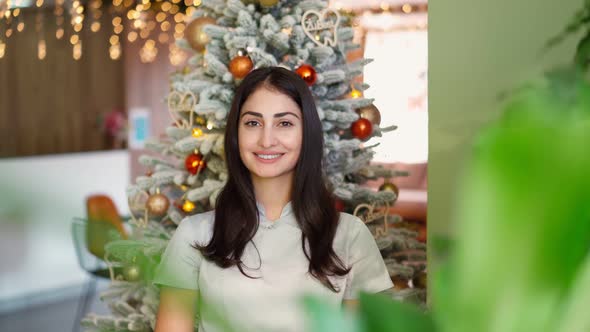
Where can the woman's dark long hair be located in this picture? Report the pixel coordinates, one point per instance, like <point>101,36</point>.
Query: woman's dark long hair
<point>236,214</point>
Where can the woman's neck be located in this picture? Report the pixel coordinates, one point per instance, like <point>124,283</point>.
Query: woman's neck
<point>273,194</point>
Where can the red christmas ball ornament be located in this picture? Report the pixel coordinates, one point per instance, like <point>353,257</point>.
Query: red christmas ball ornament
<point>195,163</point>
<point>307,73</point>
<point>178,204</point>
<point>422,234</point>
<point>339,204</point>
<point>240,66</point>
<point>361,128</point>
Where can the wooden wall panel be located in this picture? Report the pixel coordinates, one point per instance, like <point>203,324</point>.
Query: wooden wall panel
<point>53,105</point>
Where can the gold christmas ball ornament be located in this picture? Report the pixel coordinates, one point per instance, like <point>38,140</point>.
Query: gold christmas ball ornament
<point>197,132</point>
<point>389,186</point>
<point>420,280</point>
<point>200,120</point>
<point>370,113</point>
<point>268,3</point>
<point>354,94</point>
<point>132,272</point>
<point>195,35</point>
<point>157,205</point>
<point>188,206</point>
<point>240,66</point>
<point>400,283</point>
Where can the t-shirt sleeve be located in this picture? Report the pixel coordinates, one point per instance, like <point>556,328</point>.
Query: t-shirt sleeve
<point>180,263</point>
<point>368,271</point>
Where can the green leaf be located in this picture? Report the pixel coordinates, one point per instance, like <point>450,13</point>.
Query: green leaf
<point>524,200</point>
<point>575,315</point>
<point>381,314</point>
<point>440,245</point>
<point>441,296</point>
<point>580,18</point>
<point>582,56</point>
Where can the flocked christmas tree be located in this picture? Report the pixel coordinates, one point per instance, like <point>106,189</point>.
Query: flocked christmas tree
<point>228,39</point>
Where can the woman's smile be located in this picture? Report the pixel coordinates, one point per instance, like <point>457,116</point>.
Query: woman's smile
<point>268,157</point>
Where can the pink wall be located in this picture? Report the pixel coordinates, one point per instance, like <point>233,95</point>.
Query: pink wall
<point>146,85</point>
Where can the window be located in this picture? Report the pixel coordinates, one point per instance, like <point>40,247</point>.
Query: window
<point>398,77</point>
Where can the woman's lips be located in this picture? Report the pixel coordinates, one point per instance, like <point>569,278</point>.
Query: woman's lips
<point>269,161</point>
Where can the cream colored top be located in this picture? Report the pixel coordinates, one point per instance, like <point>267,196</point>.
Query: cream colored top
<point>273,301</point>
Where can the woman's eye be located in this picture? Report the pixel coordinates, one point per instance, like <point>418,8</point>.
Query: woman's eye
<point>285,124</point>
<point>251,123</point>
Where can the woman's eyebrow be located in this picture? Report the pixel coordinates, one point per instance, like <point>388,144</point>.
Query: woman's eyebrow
<point>251,113</point>
<point>277,115</point>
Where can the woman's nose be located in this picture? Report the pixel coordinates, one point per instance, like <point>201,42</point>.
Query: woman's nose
<point>268,138</point>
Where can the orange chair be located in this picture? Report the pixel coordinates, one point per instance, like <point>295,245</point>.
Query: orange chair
<point>102,225</point>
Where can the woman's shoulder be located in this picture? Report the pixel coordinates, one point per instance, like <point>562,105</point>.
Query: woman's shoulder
<point>353,235</point>
<point>349,225</point>
<point>198,227</point>
<point>349,220</point>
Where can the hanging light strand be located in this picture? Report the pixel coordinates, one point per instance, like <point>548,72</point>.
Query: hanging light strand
<point>159,23</point>
<point>7,12</point>
<point>77,21</point>
<point>58,11</point>
<point>41,45</point>
<point>163,36</point>
<point>176,55</point>
<point>115,39</point>
<point>179,25</point>
<point>8,16</point>
<point>96,14</point>
<point>140,20</point>
<point>77,16</point>
<point>20,26</point>
<point>2,43</point>
<point>3,8</point>
<point>2,48</point>
<point>148,51</point>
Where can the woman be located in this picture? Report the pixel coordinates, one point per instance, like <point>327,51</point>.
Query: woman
<point>275,233</point>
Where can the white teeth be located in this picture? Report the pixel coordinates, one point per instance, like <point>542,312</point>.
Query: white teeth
<point>268,156</point>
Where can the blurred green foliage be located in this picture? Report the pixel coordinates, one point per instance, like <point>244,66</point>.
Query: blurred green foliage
<point>579,22</point>
<point>520,260</point>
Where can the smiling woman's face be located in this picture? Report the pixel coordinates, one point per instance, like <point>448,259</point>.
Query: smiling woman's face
<point>270,134</point>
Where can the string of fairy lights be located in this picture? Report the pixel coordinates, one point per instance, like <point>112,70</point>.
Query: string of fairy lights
<point>155,24</point>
